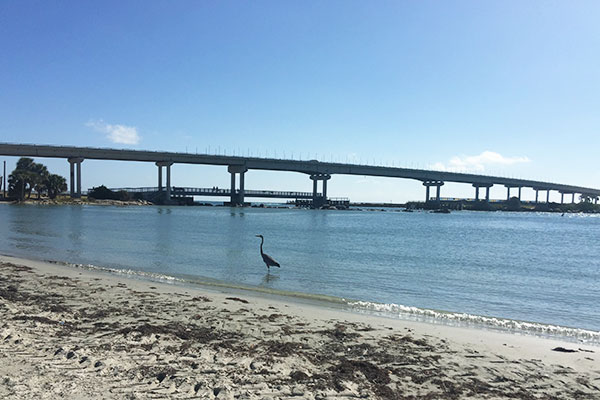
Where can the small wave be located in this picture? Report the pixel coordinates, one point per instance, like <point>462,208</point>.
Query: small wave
<point>129,272</point>
<point>464,319</point>
<point>209,283</point>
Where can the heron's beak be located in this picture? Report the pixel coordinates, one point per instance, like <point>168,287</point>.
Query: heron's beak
<point>257,235</point>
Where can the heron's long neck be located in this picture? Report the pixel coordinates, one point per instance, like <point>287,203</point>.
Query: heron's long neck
<point>262,240</point>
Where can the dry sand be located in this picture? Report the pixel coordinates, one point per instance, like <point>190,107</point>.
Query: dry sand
<point>73,333</point>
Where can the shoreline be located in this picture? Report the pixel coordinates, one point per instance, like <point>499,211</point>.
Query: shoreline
<point>71,331</point>
<point>392,311</point>
<point>505,325</point>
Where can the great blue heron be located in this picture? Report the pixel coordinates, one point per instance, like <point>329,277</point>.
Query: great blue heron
<point>267,258</point>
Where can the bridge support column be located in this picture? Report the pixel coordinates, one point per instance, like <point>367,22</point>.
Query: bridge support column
<point>548,196</point>
<point>160,187</point>
<point>536,195</point>
<point>72,178</point>
<point>237,195</point>
<point>242,191</point>
<point>438,185</point>
<point>75,185</point>
<point>562,198</point>
<point>487,190</point>
<point>160,165</point>
<point>169,181</point>
<point>573,198</point>
<point>321,200</point>
<point>508,187</point>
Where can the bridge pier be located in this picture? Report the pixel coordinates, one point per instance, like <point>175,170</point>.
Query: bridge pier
<point>562,197</point>
<point>438,185</point>
<point>237,196</point>
<point>75,187</point>
<point>487,187</point>
<point>160,165</point>
<point>318,201</point>
<point>537,190</point>
<point>508,187</point>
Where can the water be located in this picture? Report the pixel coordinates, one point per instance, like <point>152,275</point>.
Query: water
<point>464,266</point>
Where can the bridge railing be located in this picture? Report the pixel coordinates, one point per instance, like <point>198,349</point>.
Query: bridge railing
<point>227,192</point>
<point>278,193</point>
<point>190,190</point>
<point>216,191</point>
<point>136,189</point>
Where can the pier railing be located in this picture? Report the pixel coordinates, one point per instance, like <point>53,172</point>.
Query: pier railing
<point>216,191</point>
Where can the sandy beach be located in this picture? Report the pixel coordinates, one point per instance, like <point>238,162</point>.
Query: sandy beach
<point>73,333</point>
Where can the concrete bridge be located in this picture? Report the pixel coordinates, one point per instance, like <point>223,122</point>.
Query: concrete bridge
<point>316,170</point>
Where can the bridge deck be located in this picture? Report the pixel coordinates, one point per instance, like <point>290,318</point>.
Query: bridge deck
<point>271,164</point>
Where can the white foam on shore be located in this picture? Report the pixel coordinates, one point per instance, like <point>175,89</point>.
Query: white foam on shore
<point>209,283</point>
<point>464,319</point>
<point>129,272</point>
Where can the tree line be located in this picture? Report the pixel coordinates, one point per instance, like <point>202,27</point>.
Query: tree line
<point>29,176</point>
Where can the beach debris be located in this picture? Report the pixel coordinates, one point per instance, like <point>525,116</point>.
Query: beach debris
<point>586,350</point>
<point>161,376</point>
<point>298,376</point>
<point>259,351</point>
<point>340,332</point>
<point>297,391</point>
<point>564,350</point>
<point>203,299</point>
<point>237,299</point>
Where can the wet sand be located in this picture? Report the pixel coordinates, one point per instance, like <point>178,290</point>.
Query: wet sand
<point>81,334</point>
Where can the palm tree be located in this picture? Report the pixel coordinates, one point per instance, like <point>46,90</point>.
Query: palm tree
<point>54,185</point>
<point>19,183</point>
<point>29,175</point>
<point>41,176</point>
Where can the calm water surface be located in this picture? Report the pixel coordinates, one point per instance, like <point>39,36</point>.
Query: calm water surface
<point>521,266</point>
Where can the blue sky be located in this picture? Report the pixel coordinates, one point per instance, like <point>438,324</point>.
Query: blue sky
<point>499,87</point>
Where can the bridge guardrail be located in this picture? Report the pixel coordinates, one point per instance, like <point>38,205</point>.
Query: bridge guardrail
<point>177,190</point>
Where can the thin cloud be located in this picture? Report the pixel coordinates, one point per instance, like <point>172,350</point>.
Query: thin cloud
<point>116,133</point>
<point>478,163</point>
